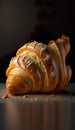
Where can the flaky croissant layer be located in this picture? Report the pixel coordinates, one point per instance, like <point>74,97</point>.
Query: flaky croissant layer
<point>38,67</point>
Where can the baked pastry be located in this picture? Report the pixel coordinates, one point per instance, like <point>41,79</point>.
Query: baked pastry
<point>38,67</point>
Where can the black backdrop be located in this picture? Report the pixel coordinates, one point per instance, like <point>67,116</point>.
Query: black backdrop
<point>27,20</point>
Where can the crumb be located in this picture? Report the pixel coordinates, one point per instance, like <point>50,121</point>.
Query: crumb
<point>5,96</point>
<point>51,95</point>
<point>35,98</point>
<point>25,96</point>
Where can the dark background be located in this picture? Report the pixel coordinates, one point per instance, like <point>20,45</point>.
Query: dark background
<point>41,20</point>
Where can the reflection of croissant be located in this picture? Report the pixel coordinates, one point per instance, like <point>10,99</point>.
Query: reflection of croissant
<point>39,67</point>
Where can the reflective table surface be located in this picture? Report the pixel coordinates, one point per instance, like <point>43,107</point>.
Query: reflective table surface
<point>38,111</point>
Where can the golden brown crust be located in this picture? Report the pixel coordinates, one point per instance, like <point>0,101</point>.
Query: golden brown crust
<point>63,45</point>
<point>39,67</point>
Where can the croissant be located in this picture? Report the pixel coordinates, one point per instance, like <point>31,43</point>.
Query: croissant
<point>39,67</point>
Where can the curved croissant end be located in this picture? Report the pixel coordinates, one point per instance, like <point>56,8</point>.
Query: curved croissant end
<point>39,67</point>
<point>18,81</point>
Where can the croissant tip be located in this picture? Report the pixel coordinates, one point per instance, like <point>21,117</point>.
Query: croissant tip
<point>65,37</point>
<point>16,86</point>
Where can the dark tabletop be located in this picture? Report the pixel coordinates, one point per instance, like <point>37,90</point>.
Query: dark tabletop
<point>38,111</point>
